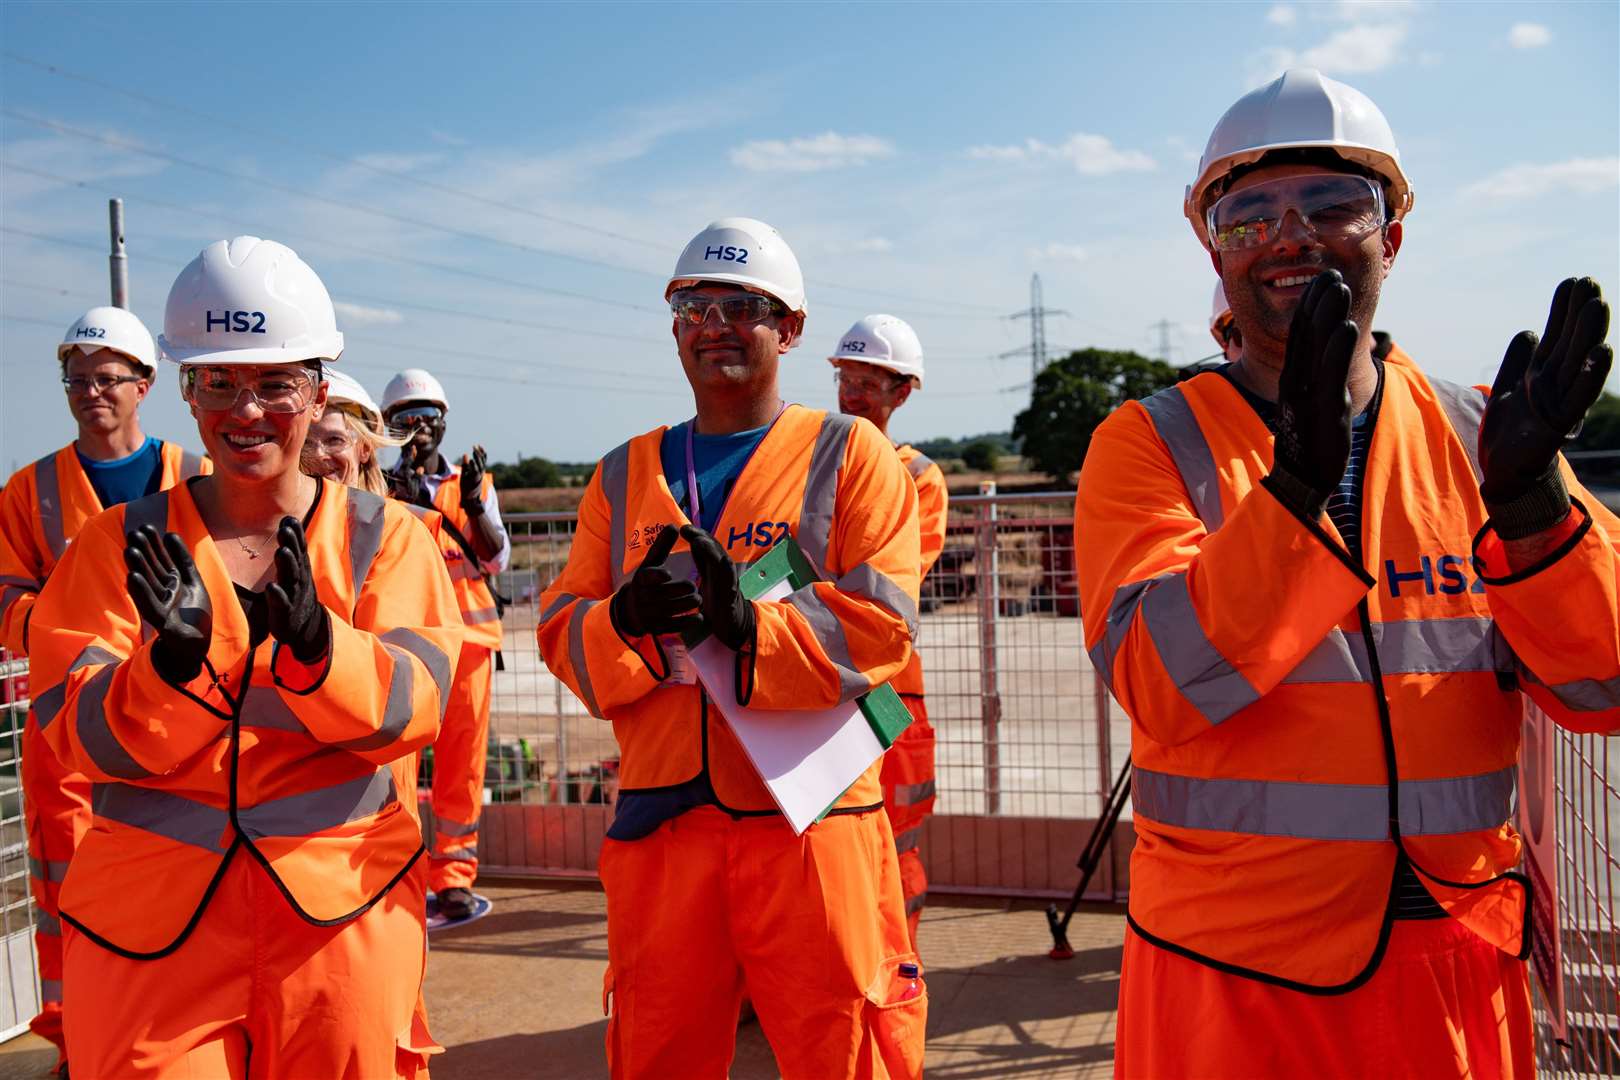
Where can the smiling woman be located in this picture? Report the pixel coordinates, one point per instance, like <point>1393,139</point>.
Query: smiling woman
<point>298,643</point>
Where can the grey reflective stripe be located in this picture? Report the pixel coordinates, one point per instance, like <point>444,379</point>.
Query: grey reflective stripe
<point>1174,420</point>
<point>10,594</point>
<point>462,570</point>
<point>1324,811</point>
<point>1465,407</point>
<point>264,708</point>
<point>325,808</point>
<point>614,471</point>
<point>1584,695</point>
<point>150,510</point>
<point>814,533</point>
<point>96,734</point>
<point>190,465</point>
<point>365,534</point>
<point>1121,612</point>
<point>910,794</point>
<point>908,840</point>
<point>48,496</point>
<point>829,633</point>
<point>478,616</point>
<point>21,582</point>
<point>576,655</point>
<point>460,854</point>
<point>1205,678</point>
<point>50,990</point>
<point>919,465</point>
<point>558,602</point>
<point>433,658</point>
<point>446,827</point>
<point>870,582</point>
<point>1408,647</point>
<point>47,924</point>
<point>915,904</point>
<point>47,871</point>
<point>49,703</point>
<point>397,710</point>
<point>182,820</point>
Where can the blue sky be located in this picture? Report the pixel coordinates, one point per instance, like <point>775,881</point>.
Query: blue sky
<point>497,192</point>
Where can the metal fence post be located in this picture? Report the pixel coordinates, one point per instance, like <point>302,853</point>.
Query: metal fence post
<point>987,568</point>
<point>117,261</point>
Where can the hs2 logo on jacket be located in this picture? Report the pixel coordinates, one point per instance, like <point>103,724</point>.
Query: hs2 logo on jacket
<point>759,534</point>
<point>1447,575</point>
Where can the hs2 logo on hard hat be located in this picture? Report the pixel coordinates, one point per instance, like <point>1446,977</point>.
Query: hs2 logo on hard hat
<point>235,322</point>
<point>726,253</point>
<point>853,345</point>
<point>90,332</point>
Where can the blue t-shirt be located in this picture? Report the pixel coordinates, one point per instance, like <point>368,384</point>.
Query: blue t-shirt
<point>717,461</point>
<point>127,478</point>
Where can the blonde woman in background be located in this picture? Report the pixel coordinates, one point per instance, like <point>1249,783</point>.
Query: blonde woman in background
<point>343,444</point>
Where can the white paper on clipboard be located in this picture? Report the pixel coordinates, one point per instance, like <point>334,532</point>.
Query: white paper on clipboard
<point>807,758</point>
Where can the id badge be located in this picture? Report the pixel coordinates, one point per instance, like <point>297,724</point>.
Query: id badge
<point>682,672</point>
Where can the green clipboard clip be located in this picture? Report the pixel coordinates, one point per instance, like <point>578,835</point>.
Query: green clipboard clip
<point>882,707</point>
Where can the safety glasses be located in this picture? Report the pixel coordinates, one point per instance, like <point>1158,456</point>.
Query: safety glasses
<point>79,385</point>
<point>404,421</point>
<point>743,309</point>
<point>864,383</point>
<point>278,389</point>
<point>1332,205</point>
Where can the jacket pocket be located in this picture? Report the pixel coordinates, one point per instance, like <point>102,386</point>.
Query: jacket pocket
<point>896,1021</point>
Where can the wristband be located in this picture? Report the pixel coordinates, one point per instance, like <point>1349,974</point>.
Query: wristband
<point>1543,506</point>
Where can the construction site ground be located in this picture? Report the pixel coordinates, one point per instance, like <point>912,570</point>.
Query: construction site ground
<point>519,993</point>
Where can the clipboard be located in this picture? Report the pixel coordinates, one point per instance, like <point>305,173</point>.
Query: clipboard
<point>807,758</point>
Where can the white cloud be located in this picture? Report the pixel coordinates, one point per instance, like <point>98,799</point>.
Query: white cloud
<point>1056,252</point>
<point>1360,48</point>
<point>1374,10</point>
<point>1581,175</point>
<point>1091,155</point>
<point>1282,15</point>
<point>814,153</point>
<point>361,315</point>
<point>1528,35</point>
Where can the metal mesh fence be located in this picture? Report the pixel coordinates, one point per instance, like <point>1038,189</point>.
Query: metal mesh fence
<point>19,974</point>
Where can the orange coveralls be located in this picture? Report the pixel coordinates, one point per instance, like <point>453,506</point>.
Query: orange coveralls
<point>44,506</point>
<point>908,766</point>
<point>724,898</point>
<point>1303,723</point>
<point>248,900</point>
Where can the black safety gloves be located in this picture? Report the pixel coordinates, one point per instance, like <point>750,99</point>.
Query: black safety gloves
<point>472,481</point>
<point>1313,398</point>
<point>297,618</point>
<point>652,601</point>
<point>169,594</point>
<point>1540,396</point>
<point>726,612</point>
<point>406,479</point>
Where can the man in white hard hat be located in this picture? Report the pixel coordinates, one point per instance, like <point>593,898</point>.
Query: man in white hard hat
<point>877,365</point>
<point>710,893</point>
<point>107,365</point>
<point>1320,581</point>
<point>414,405</point>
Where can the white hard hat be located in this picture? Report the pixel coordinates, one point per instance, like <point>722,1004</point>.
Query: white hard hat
<point>413,384</point>
<point>1300,109</point>
<point>883,341</point>
<point>741,251</point>
<point>342,389</point>
<point>1219,311</point>
<point>249,301</point>
<point>111,328</point>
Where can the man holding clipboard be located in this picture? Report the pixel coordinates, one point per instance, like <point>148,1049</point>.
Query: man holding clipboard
<point>711,895</point>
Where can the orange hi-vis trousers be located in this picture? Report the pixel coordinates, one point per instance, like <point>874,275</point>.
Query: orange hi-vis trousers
<point>56,811</point>
<point>459,757</point>
<point>1443,1003</point>
<point>811,928</point>
<point>255,991</point>
<point>907,776</point>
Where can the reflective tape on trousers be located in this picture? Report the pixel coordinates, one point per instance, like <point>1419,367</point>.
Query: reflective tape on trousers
<point>446,827</point>
<point>50,990</point>
<point>909,794</point>
<point>908,840</point>
<point>47,870</point>
<point>1311,811</point>
<point>460,854</point>
<point>1177,425</point>
<point>48,504</point>
<point>10,594</point>
<point>46,923</point>
<point>914,904</point>
<point>829,632</point>
<point>821,490</point>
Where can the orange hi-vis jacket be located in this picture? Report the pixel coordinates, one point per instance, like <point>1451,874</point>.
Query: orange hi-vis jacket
<point>831,482</point>
<point>473,593</point>
<point>1301,720</point>
<point>44,506</point>
<point>259,756</point>
<point>933,502</point>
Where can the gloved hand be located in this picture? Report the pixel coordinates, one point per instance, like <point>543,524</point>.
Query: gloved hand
<point>169,593</point>
<point>726,612</point>
<point>472,481</point>
<point>1313,398</point>
<point>406,479</point>
<point>298,619</point>
<point>1540,395</point>
<point>652,601</point>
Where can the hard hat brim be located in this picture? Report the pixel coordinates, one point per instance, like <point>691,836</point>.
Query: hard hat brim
<point>267,355</point>
<point>64,351</point>
<point>753,284</point>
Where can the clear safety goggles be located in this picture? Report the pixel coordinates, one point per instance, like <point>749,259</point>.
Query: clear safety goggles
<point>332,445</point>
<point>742,309</point>
<point>1332,205</point>
<point>405,421</point>
<point>875,383</point>
<point>281,388</point>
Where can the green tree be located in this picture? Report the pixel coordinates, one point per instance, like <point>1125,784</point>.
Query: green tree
<point>529,472</point>
<point>980,455</point>
<point>1075,394</point>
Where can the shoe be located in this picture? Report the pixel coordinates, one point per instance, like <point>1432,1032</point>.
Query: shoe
<point>456,903</point>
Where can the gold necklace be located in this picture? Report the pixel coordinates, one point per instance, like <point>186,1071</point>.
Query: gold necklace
<point>253,552</point>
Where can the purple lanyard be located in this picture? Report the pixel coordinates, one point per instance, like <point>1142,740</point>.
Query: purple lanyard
<point>694,507</point>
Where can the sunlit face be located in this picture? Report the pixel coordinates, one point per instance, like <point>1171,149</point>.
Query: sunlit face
<point>721,356</point>
<point>869,391</point>
<point>333,450</point>
<point>104,411</point>
<point>248,443</point>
